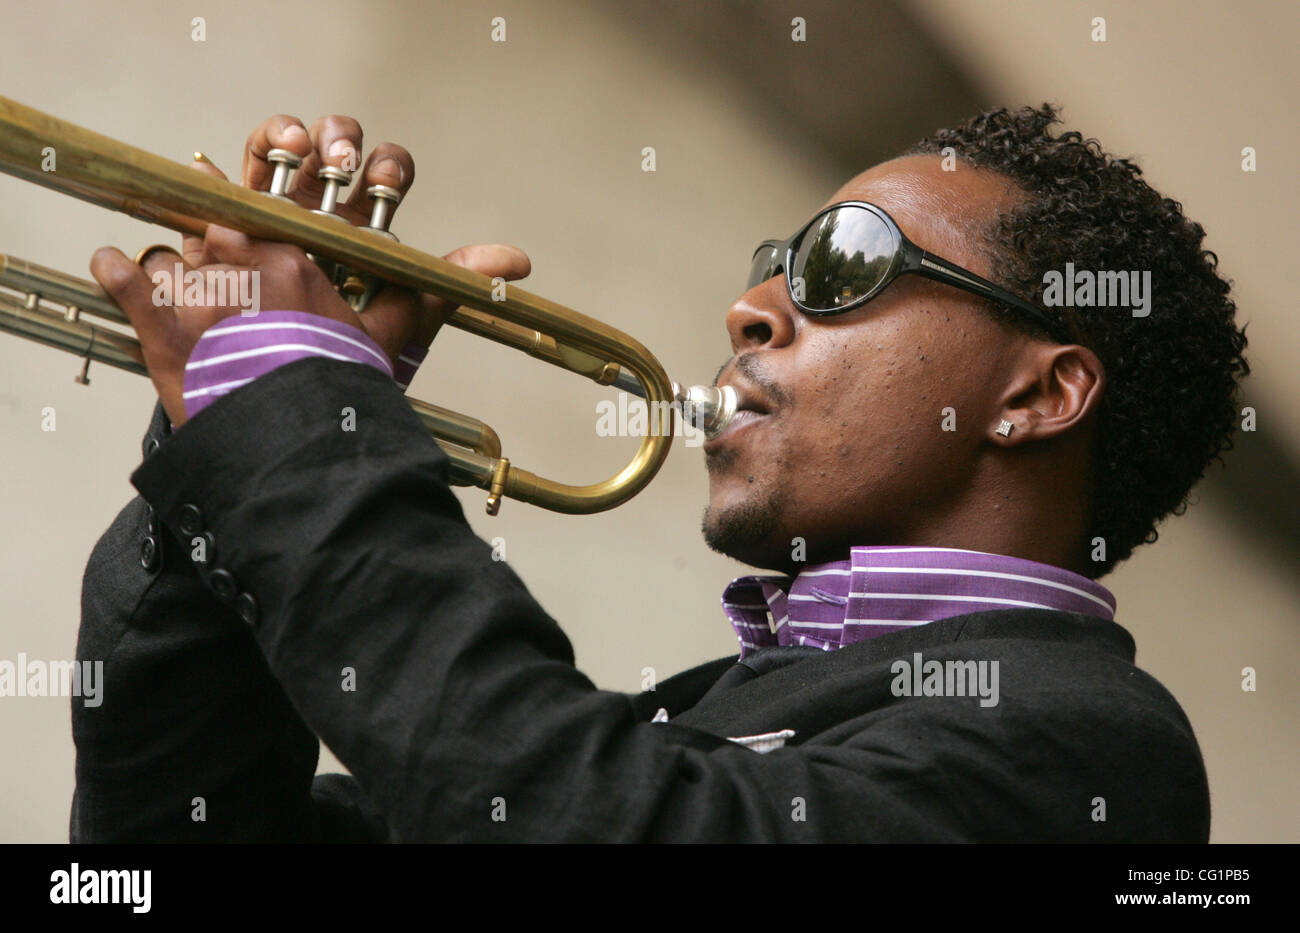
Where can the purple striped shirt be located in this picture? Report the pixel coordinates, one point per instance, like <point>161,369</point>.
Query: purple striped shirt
<point>235,351</point>
<point>879,590</point>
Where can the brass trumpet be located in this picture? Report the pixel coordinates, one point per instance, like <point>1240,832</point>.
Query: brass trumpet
<point>112,174</point>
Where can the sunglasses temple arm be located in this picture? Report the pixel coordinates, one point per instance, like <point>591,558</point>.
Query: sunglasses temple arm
<point>941,270</point>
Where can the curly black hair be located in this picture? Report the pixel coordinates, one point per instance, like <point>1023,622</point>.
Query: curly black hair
<point>1170,404</point>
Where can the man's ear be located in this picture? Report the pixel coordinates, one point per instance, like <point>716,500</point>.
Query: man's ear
<point>1055,389</point>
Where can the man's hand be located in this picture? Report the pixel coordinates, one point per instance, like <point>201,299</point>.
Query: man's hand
<point>395,318</point>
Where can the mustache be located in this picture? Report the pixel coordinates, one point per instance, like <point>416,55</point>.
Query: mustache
<point>750,366</point>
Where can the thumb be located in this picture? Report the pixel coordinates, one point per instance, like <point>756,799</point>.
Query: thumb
<point>493,259</point>
<point>397,319</point>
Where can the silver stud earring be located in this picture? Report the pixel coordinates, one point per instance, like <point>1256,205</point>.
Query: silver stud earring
<point>1005,428</point>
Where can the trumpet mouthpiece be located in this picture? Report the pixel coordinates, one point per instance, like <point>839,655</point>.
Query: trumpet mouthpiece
<point>709,408</point>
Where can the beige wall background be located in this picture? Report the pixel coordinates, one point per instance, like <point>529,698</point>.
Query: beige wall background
<point>537,141</point>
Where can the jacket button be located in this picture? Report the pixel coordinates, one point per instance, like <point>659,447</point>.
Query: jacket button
<point>149,556</point>
<point>223,584</point>
<point>246,607</point>
<point>191,520</point>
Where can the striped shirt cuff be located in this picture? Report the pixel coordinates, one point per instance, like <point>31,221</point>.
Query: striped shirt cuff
<point>235,351</point>
<point>408,363</point>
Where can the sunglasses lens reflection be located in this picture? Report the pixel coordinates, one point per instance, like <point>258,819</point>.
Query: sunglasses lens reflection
<point>842,256</point>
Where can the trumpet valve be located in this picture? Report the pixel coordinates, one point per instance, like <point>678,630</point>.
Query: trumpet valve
<point>333,179</point>
<point>385,201</point>
<point>285,163</point>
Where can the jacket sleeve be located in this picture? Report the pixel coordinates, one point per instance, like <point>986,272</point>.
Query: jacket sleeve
<point>449,692</point>
<point>190,738</point>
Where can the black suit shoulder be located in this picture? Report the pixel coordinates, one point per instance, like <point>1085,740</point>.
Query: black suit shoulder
<point>1070,741</point>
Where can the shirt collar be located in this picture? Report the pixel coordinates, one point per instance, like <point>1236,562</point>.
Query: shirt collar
<point>879,590</point>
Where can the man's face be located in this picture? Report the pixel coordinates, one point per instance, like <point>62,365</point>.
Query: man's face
<point>851,449</point>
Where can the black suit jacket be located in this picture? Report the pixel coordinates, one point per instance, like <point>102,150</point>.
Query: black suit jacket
<point>283,578</point>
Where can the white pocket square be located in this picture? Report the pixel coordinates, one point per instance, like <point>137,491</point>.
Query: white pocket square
<point>762,743</point>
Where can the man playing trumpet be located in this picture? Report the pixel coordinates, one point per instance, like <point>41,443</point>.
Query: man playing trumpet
<point>960,458</point>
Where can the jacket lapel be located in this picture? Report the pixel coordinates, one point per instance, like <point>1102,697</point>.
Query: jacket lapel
<point>679,692</point>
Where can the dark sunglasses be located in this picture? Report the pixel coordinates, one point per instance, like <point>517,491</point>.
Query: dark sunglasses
<point>849,252</point>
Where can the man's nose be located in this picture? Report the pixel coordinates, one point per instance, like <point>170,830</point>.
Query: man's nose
<point>762,318</point>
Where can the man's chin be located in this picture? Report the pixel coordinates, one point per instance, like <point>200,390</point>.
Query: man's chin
<point>747,532</point>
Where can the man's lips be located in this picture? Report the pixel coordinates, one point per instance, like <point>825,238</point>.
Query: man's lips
<point>750,409</point>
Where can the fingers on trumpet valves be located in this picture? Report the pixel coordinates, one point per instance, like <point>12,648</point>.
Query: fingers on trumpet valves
<point>328,168</point>
<point>335,143</point>
<point>357,288</point>
<point>389,166</point>
<point>333,178</point>
<point>280,133</point>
